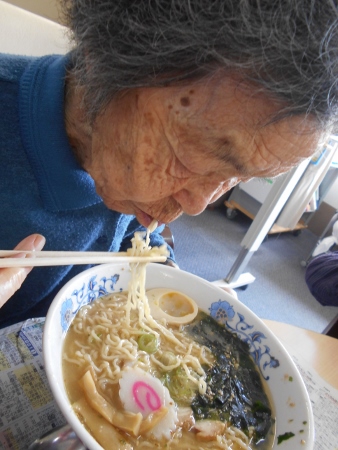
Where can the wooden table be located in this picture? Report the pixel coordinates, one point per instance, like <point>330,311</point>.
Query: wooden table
<point>319,351</point>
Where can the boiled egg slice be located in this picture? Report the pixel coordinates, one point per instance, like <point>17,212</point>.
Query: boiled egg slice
<point>171,305</point>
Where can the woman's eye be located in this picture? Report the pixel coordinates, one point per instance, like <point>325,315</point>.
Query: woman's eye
<point>179,170</point>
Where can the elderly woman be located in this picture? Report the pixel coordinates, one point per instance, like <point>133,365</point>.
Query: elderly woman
<point>161,108</point>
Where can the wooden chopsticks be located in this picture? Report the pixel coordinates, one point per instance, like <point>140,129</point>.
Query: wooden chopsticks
<point>63,258</point>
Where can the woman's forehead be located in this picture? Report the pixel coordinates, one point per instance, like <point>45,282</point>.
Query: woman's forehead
<point>222,94</point>
<point>223,119</point>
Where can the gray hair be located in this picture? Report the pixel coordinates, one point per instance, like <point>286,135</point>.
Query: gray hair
<point>289,48</point>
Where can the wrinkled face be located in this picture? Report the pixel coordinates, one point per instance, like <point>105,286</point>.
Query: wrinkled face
<point>159,152</point>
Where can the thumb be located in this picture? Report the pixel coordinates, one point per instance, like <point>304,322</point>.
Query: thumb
<point>12,278</point>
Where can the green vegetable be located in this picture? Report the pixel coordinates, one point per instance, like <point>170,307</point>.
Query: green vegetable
<point>182,389</point>
<point>284,437</point>
<point>260,407</point>
<point>148,343</point>
<point>168,358</point>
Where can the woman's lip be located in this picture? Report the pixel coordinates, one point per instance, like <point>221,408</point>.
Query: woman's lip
<point>144,218</point>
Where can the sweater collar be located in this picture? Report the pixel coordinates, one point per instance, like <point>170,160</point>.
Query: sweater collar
<point>63,184</point>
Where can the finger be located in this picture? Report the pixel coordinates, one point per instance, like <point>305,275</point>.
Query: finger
<point>12,278</point>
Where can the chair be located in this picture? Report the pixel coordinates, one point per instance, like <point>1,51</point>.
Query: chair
<point>168,236</point>
<point>25,33</point>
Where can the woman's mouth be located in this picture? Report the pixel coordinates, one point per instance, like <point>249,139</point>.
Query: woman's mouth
<point>144,218</point>
<point>164,215</point>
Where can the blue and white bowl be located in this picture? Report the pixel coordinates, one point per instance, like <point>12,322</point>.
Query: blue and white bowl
<point>289,396</point>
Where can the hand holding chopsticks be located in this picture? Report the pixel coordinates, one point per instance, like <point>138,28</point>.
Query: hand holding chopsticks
<point>63,258</point>
<point>12,278</point>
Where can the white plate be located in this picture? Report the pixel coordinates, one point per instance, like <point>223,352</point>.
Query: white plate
<point>290,398</point>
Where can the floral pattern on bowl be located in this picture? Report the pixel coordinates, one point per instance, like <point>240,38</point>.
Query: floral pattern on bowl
<point>224,313</point>
<point>88,292</point>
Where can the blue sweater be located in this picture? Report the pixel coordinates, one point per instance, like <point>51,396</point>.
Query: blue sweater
<point>42,188</point>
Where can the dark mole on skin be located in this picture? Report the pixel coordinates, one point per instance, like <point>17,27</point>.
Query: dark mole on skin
<point>170,107</point>
<point>149,117</point>
<point>185,101</point>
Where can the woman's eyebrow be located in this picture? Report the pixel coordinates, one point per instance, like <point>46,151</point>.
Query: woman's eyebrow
<point>226,153</point>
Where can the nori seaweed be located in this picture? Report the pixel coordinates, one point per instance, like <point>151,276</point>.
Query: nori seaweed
<point>235,391</point>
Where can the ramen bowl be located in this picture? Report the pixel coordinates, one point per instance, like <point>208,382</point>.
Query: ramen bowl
<point>288,394</point>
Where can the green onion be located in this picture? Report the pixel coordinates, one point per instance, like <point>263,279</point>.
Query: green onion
<point>168,358</point>
<point>148,343</point>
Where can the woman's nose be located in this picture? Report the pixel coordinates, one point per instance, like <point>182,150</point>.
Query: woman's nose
<point>195,198</point>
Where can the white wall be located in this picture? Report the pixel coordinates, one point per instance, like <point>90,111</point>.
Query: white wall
<point>26,33</point>
<point>45,8</point>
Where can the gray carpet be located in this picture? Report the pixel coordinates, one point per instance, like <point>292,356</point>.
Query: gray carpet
<point>207,245</point>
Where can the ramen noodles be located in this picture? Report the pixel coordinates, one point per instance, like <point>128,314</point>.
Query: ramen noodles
<point>139,378</point>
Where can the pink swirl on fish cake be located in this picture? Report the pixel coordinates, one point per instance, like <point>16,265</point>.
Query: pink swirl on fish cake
<point>144,393</point>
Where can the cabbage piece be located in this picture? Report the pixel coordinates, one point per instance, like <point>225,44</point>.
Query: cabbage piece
<point>181,388</point>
